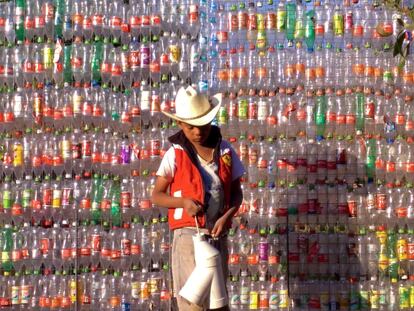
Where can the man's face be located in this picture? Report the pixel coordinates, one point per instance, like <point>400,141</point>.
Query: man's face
<point>197,135</point>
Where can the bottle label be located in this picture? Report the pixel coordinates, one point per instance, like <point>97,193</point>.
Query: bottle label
<point>284,298</point>
<point>15,295</point>
<point>125,199</point>
<point>404,302</point>
<point>232,22</point>
<point>244,295</point>
<point>235,300</point>
<point>262,111</point>
<point>253,300</point>
<point>135,286</point>
<point>7,199</point>
<point>263,251</point>
<point>144,292</point>
<point>380,201</point>
<point>263,299</point>
<point>281,20</point>
<point>125,247</point>
<point>242,109</point>
<point>234,259</point>
<point>57,198</point>
<point>96,242</point>
<point>25,293</point>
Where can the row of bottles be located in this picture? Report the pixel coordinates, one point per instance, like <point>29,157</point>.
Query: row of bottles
<point>115,20</point>
<point>86,289</point>
<point>314,23</point>
<point>90,245</point>
<point>103,199</point>
<point>74,150</point>
<point>264,293</point>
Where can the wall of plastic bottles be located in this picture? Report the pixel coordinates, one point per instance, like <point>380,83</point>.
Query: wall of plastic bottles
<point>316,107</point>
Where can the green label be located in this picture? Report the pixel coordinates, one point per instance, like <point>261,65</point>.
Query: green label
<point>364,299</point>
<point>7,199</point>
<point>242,109</point>
<point>274,301</point>
<point>222,116</point>
<point>338,25</point>
<point>27,194</point>
<point>281,20</point>
<point>404,297</point>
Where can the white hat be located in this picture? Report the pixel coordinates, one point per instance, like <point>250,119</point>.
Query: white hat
<point>194,108</point>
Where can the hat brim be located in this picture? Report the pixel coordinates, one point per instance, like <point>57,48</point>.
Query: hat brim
<point>205,119</point>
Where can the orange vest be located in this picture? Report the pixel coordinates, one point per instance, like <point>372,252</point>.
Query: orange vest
<point>188,183</point>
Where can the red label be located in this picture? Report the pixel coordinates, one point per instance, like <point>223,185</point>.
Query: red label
<point>36,204</point>
<point>409,167</point>
<point>96,242</point>
<point>370,110</point>
<point>85,251</point>
<point>116,21</point>
<point>105,68</point>
<point>272,120</point>
<point>105,204</point>
<point>135,21</point>
<point>350,119</point>
<point>331,116</point>
<point>115,254</point>
<point>44,246</point>
<point>116,70</point>
<point>155,20</point>
<point>380,201</point>
<point>400,119</point>
<point>410,251</point>
<point>66,253</point>
<point>401,212</point>
<point>341,119</point>
<point>76,62</point>
<point>252,259</point>
<point>125,247</point>
<point>390,166</point>
<point>47,196</point>
<point>234,259</point>
<point>17,209</point>
<point>352,209</point>
<point>97,20</point>
<point>85,203</point>
<point>145,204</point>
<point>135,249</point>
<point>125,199</point>
<point>16,255</point>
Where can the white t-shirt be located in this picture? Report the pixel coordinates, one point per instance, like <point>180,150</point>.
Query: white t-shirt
<point>209,172</point>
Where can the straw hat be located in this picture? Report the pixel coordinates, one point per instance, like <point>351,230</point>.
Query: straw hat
<point>194,108</point>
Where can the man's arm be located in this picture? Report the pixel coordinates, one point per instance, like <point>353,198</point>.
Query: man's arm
<point>235,202</point>
<point>162,199</point>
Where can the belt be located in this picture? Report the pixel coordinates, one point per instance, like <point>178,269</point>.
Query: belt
<point>190,230</point>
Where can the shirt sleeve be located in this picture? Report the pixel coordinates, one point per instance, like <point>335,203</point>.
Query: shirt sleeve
<point>237,169</point>
<point>167,166</point>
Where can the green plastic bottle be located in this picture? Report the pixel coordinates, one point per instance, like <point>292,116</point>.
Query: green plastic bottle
<point>6,244</point>
<point>310,30</point>
<point>360,109</point>
<point>371,158</point>
<point>290,21</point>
<point>19,22</point>
<point>58,22</point>
<point>320,113</point>
<point>97,191</point>
<point>115,202</point>
<point>97,55</point>
<point>67,67</point>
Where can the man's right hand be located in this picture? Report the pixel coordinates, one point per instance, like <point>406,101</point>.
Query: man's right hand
<point>191,207</point>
